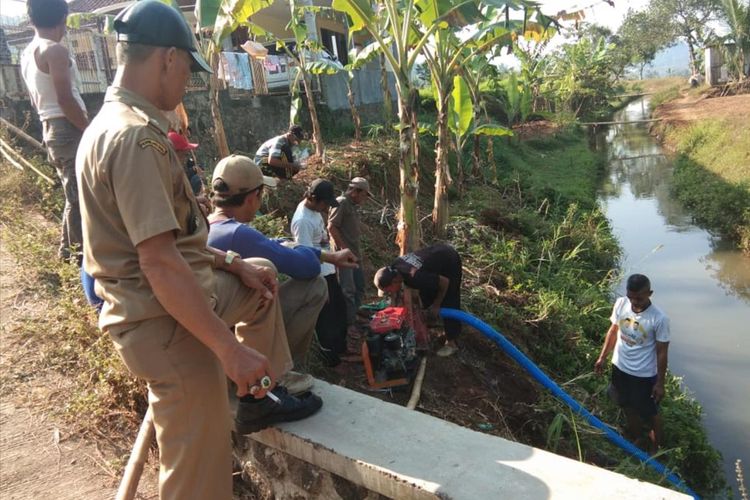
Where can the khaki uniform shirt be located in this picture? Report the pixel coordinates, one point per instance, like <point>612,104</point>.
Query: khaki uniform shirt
<point>346,218</point>
<point>132,187</point>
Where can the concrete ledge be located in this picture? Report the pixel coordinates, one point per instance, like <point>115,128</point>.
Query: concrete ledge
<point>405,454</point>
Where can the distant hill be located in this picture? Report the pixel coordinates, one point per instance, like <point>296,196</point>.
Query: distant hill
<point>673,61</point>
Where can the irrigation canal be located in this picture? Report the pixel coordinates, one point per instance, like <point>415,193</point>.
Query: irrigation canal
<point>700,281</point>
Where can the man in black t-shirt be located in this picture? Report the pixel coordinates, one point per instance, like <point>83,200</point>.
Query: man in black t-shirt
<point>436,272</point>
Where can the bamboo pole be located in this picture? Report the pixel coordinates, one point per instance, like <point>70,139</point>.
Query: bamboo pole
<point>26,162</point>
<point>417,390</point>
<point>138,457</point>
<point>11,160</point>
<point>23,135</point>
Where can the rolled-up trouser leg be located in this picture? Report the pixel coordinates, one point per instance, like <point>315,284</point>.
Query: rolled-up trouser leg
<point>258,321</point>
<point>301,302</point>
<point>188,397</point>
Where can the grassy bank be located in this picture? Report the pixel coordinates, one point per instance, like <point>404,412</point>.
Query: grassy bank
<point>538,260</point>
<point>712,174</point>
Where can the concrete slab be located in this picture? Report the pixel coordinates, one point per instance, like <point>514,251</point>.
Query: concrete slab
<point>406,454</point>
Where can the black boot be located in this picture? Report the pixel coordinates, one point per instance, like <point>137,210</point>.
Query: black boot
<point>257,414</point>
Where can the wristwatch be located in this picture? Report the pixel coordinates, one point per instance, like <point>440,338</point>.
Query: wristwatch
<point>231,255</point>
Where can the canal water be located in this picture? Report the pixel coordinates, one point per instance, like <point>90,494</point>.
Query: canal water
<point>700,281</point>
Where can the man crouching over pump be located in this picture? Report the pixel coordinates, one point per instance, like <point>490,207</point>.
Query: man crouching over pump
<point>169,300</point>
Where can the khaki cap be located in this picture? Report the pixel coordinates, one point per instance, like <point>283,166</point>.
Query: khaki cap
<point>360,183</point>
<point>239,174</point>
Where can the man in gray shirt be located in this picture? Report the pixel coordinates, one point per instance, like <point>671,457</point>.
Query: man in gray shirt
<point>343,226</point>
<point>275,155</point>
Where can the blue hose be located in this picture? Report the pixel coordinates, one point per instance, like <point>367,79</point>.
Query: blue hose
<point>547,382</point>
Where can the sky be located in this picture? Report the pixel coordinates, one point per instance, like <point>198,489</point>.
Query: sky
<point>596,11</point>
<point>12,8</point>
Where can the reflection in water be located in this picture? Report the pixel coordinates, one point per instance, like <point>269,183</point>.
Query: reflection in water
<point>732,271</point>
<point>702,284</point>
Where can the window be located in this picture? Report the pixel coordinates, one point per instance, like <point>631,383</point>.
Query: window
<point>335,44</point>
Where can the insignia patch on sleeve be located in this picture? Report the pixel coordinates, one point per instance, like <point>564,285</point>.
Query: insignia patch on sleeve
<point>153,143</point>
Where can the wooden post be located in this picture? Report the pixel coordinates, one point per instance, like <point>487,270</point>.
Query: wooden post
<point>138,457</point>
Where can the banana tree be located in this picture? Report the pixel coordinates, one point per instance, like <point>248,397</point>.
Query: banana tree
<point>222,17</point>
<point>448,54</point>
<point>306,51</point>
<point>464,124</point>
<point>736,15</point>
<point>390,24</point>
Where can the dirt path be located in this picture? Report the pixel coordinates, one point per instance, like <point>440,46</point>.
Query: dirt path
<point>39,458</point>
<point>688,109</point>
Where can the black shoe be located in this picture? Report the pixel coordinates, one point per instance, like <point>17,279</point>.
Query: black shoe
<point>257,414</point>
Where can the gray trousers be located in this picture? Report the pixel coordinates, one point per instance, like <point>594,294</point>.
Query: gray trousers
<point>352,283</point>
<point>301,302</point>
<point>61,138</point>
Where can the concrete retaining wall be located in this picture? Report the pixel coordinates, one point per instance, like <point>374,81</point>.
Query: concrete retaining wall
<point>385,449</point>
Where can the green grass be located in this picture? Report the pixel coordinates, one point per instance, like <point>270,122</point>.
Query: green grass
<point>560,168</point>
<point>664,95</point>
<point>712,175</point>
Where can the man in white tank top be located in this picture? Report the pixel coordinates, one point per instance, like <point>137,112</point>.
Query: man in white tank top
<point>53,82</point>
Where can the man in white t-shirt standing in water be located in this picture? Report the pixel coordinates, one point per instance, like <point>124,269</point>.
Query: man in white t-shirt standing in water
<point>53,82</point>
<point>639,336</point>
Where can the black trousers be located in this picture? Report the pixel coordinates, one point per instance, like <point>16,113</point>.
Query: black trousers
<point>452,300</point>
<point>331,324</point>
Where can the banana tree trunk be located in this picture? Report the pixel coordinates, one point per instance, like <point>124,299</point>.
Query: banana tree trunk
<point>408,224</point>
<point>442,176</point>
<point>459,167</point>
<point>491,159</point>
<point>355,112</point>
<point>317,137</point>
<point>476,169</point>
<point>219,136</point>
<point>387,99</point>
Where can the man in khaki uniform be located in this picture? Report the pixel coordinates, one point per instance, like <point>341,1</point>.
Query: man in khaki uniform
<point>168,299</point>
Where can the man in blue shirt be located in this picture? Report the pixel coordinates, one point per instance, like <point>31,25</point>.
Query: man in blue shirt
<point>238,185</point>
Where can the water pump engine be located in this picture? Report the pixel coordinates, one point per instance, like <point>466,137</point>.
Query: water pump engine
<point>390,350</point>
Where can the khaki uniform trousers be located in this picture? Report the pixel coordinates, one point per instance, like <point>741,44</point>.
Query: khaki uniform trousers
<point>301,302</point>
<point>188,387</point>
